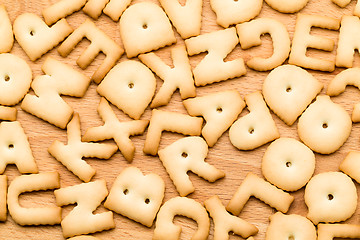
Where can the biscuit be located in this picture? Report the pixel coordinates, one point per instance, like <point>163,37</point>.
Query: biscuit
<point>303,40</point>
<point>348,41</point>
<point>250,36</point>
<point>169,121</point>
<point>288,90</point>
<point>219,110</point>
<point>71,155</point>
<point>8,113</point>
<point>184,155</point>
<point>61,9</point>
<point>338,84</point>
<point>351,165</point>
<point>84,237</point>
<point>81,220</point>
<point>166,229</point>
<point>337,230</point>
<point>179,77</point>
<point>288,164</point>
<point>130,86</point>
<point>59,79</point>
<point>35,37</point>
<point>144,27</point>
<point>330,197</point>
<point>15,148</point>
<point>94,8</point>
<point>212,68</point>
<point>114,129</point>
<point>14,84</point>
<point>136,196</point>
<point>259,188</point>
<point>3,196</point>
<point>344,3</point>
<point>234,12</point>
<point>29,183</point>
<point>100,42</point>
<point>284,6</point>
<point>186,19</point>
<point>6,32</point>
<point>224,222</point>
<point>290,227</point>
<point>256,128</point>
<point>324,126</point>
<point>115,8</point>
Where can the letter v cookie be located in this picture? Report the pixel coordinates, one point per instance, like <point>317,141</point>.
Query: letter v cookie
<point>119,131</point>
<point>188,154</point>
<point>71,155</point>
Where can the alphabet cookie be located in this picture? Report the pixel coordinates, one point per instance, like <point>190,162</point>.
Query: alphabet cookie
<point>350,165</point>
<point>115,8</point>
<point>6,32</point>
<point>337,230</point>
<point>3,197</point>
<point>287,6</point>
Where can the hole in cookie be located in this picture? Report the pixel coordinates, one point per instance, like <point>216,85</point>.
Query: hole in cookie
<point>288,164</point>
<point>219,110</point>
<point>7,78</point>
<point>144,26</point>
<point>11,146</point>
<point>184,155</point>
<point>236,0</point>
<point>291,237</point>
<point>251,130</point>
<point>32,33</point>
<point>325,125</point>
<point>330,197</point>
<point>126,192</point>
<point>131,85</point>
<point>147,201</point>
<point>288,89</point>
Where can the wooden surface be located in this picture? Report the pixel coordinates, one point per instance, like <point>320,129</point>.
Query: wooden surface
<point>236,164</point>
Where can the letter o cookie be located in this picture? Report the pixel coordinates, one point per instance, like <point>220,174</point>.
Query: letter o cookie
<point>324,126</point>
<point>14,84</point>
<point>288,164</point>
<point>330,197</point>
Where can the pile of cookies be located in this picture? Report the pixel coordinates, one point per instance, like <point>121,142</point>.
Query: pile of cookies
<point>260,117</point>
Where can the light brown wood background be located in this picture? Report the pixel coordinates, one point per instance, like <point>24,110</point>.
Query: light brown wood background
<point>236,164</point>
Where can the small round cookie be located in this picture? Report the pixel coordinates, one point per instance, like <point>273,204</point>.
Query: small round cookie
<point>14,84</point>
<point>288,164</point>
<point>286,6</point>
<point>330,197</point>
<point>324,126</point>
<point>290,227</point>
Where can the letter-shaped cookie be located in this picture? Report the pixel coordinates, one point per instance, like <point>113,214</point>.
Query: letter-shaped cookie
<point>30,183</point>
<point>225,222</point>
<point>166,229</point>
<point>256,128</point>
<point>6,33</point>
<point>71,155</point>
<point>94,8</point>
<point>136,196</point>
<point>290,227</point>
<point>114,129</point>
<point>250,35</point>
<point>35,37</point>
<point>330,197</point>
<point>179,77</point>
<point>8,113</point>
<point>324,126</point>
<point>261,189</point>
<point>338,84</point>
<point>212,67</point>
<point>144,27</point>
<point>351,165</point>
<point>169,121</point>
<point>61,9</point>
<point>288,90</point>
<point>288,164</point>
<point>81,220</point>
<point>186,19</point>
<point>344,3</point>
<point>59,79</point>
<point>14,84</point>
<point>284,6</point>
<point>115,8</point>
<point>3,196</point>
<point>221,110</point>
<point>338,230</point>
<point>234,12</point>
<point>130,86</point>
<point>188,154</point>
<point>84,237</point>
<point>303,40</point>
<point>15,148</point>
<point>100,42</point>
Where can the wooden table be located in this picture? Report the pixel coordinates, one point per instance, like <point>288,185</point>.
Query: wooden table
<point>236,164</point>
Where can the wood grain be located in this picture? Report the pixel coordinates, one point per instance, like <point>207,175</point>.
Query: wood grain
<point>236,164</point>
